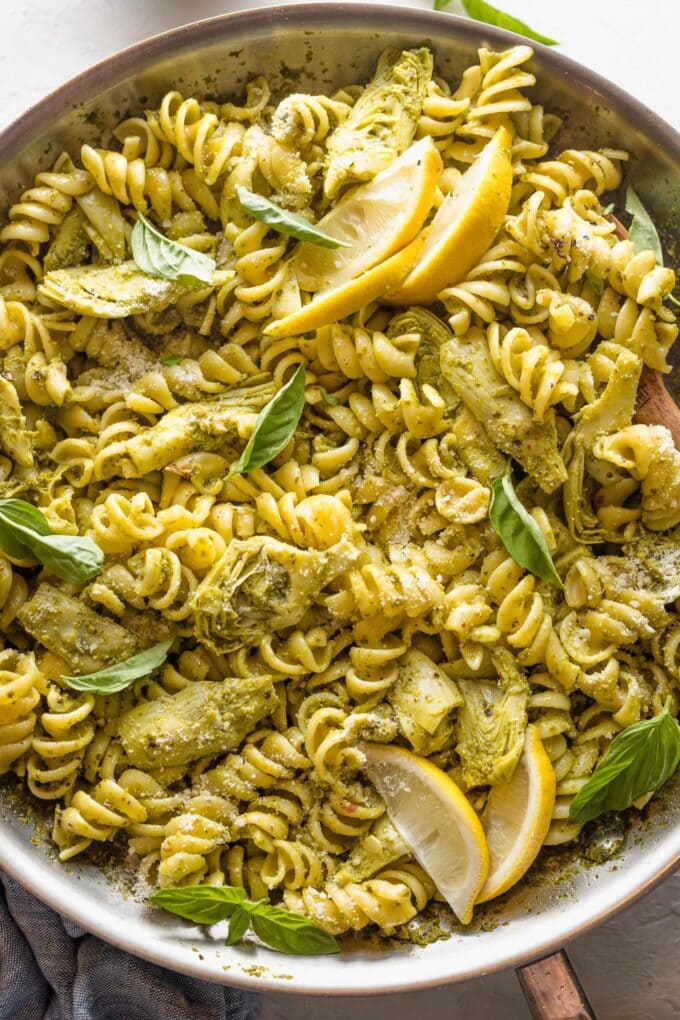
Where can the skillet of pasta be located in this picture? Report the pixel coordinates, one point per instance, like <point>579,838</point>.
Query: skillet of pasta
<point>321,485</point>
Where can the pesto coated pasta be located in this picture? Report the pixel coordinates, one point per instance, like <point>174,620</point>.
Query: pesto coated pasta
<point>351,589</point>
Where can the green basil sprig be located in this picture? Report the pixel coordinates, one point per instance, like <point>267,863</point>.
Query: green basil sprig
<point>157,255</point>
<point>595,282</point>
<point>285,222</point>
<point>116,678</point>
<point>277,928</point>
<point>275,425</point>
<point>26,535</point>
<point>642,231</point>
<point>519,532</point>
<point>640,759</point>
<point>484,12</point>
<point>172,359</point>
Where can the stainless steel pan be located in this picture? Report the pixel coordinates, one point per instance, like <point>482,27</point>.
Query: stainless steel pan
<point>319,46</point>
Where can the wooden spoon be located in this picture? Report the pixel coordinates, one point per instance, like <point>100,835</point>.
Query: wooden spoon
<point>655,405</point>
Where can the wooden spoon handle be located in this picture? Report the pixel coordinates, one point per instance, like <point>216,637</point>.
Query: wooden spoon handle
<point>655,405</point>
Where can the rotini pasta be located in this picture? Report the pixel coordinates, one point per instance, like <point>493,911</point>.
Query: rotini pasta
<point>352,588</point>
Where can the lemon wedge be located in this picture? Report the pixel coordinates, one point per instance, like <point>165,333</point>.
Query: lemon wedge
<point>434,817</point>
<point>334,304</point>
<point>376,219</point>
<point>464,226</point>
<point>517,817</point>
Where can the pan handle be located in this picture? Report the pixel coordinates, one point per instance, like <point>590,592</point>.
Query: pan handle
<point>553,990</point>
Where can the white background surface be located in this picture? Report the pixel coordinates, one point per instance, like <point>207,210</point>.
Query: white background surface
<point>630,965</point>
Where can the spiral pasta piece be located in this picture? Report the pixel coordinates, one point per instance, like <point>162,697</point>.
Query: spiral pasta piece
<point>192,837</point>
<point>44,206</point>
<point>389,900</point>
<point>648,454</point>
<point>95,815</point>
<point>64,732</point>
<point>21,688</point>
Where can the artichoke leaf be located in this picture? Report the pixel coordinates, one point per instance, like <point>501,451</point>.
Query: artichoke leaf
<point>382,123</point>
<point>112,292</point>
<point>433,335</point>
<point>14,437</point>
<point>492,722</point>
<point>423,697</point>
<point>260,585</point>
<point>508,421</point>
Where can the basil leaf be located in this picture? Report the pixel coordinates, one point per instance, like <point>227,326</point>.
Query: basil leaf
<point>239,922</point>
<point>642,231</point>
<point>203,904</point>
<point>172,359</point>
<point>71,557</point>
<point>519,532</point>
<point>116,678</point>
<point>157,255</point>
<point>328,398</point>
<point>640,759</point>
<point>26,535</point>
<point>484,12</point>
<point>595,282</point>
<point>285,222</point>
<point>290,933</point>
<point>15,516</point>
<point>279,929</point>
<point>275,425</point>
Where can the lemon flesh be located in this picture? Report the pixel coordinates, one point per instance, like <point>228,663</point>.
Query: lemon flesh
<point>517,817</point>
<point>331,305</point>
<point>376,219</point>
<point>434,817</point>
<point>464,226</point>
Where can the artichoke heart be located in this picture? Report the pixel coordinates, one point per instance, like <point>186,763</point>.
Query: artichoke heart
<point>492,722</point>
<point>113,292</point>
<point>652,562</point>
<point>423,697</point>
<point>382,122</point>
<point>261,585</point>
<point>379,848</point>
<point>508,421</point>
<point>86,639</point>
<point>433,334</point>
<point>204,719</point>
<point>205,425</point>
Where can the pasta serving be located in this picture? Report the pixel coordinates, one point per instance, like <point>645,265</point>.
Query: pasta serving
<point>353,588</point>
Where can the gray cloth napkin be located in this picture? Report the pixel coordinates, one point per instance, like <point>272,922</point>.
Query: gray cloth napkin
<point>51,969</point>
